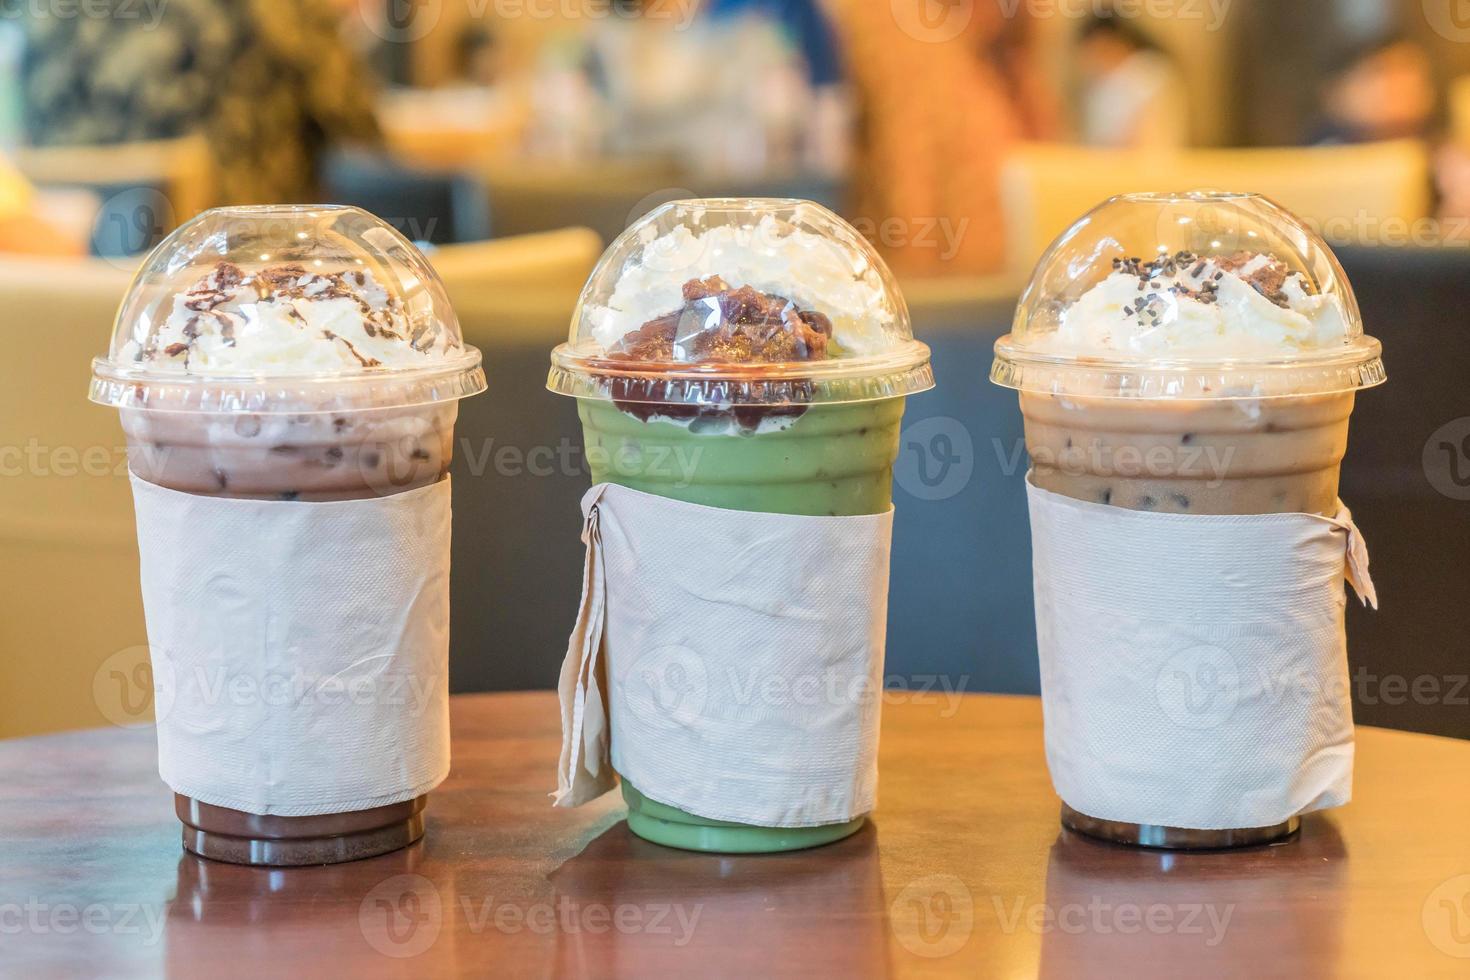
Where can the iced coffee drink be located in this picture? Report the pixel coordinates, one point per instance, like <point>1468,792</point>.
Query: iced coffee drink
<point>1188,354</point>
<point>302,357</point>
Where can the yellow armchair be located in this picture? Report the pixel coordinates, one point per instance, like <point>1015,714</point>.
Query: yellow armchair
<point>183,168</point>
<point>72,638</point>
<point>1349,193</point>
<point>68,561</point>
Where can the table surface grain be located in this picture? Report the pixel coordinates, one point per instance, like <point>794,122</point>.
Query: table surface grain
<point>964,870</point>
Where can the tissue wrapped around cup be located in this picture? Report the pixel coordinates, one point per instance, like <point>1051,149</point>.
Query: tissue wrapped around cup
<point>1193,666</point>
<point>727,663</point>
<point>300,650</point>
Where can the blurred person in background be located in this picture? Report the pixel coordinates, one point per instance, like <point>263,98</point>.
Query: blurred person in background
<point>479,56</point>
<point>938,108</point>
<point>270,83</point>
<point>720,92</point>
<point>1383,90</point>
<point>825,114</point>
<point>645,79</point>
<point>1132,93</point>
<point>1452,184</point>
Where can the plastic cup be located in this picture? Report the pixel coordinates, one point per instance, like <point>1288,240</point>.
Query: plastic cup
<point>692,389</point>
<point>251,401</point>
<point>1136,395</point>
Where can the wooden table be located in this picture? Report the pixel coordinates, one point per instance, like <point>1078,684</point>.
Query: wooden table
<point>964,870</point>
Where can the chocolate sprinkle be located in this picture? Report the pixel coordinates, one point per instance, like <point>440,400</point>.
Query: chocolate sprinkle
<point>1268,279</point>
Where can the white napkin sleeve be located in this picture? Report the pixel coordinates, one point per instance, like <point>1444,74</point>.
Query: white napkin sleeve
<point>1194,667</point>
<point>300,650</point>
<point>740,660</point>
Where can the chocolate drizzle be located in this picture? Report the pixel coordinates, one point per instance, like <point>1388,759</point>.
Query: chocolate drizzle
<point>367,362</point>
<point>217,296</point>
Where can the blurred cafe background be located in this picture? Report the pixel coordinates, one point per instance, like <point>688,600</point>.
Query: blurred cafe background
<point>516,138</point>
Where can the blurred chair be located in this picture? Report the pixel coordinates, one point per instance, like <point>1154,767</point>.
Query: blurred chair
<point>1360,191</point>
<point>1407,479</point>
<point>69,594</point>
<point>69,571</point>
<point>450,127</point>
<point>493,275</point>
<point>147,188</point>
<point>54,222</point>
<point>437,206</point>
<point>607,195</point>
<point>959,603</point>
<point>517,468</point>
<point>602,195</point>
<point>520,475</point>
<point>1459,111</point>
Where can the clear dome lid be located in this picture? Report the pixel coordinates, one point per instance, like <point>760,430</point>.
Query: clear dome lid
<point>285,310</point>
<point>1189,295</point>
<point>726,302</point>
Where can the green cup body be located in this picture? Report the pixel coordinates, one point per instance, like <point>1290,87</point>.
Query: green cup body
<point>831,460</point>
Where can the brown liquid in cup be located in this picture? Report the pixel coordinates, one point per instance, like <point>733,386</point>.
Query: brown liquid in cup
<point>1203,456</point>
<point>1206,456</point>
<point>349,455</point>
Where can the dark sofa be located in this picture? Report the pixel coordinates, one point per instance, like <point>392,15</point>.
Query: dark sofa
<point>960,609</point>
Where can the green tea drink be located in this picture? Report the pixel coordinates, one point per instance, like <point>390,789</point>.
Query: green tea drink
<point>1209,371</point>
<point>834,460</point>
<point>744,355</point>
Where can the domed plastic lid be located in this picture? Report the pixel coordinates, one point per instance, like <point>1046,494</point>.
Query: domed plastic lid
<point>1192,295</point>
<point>285,310</point>
<point>727,302</point>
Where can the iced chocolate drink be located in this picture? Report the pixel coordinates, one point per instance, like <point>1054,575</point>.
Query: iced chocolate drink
<point>748,355</point>
<point>299,356</point>
<point>342,320</point>
<point>1213,454</point>
<point>1188,354</point>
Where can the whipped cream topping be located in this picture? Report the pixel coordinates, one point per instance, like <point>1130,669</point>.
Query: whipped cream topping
<point>288,320</point>
<point>770,256</point>
<point>1238,306</point>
